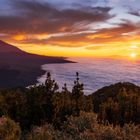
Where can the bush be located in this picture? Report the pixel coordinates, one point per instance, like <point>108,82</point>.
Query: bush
<point>9,130</point>
<point>85,127</point>
<point>42,133</point>
<point>47,132</point>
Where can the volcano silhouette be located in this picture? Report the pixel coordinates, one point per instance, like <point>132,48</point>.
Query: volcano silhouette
<point>19,68</point>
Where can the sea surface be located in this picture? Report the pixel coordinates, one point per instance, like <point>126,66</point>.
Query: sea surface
<point>94,73</point>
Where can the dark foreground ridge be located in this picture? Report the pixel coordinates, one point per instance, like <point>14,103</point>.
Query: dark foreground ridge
<point>112,92</point>
<point>21,68</point>
<point>46,113</point>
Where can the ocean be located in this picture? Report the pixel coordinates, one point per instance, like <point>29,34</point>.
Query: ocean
<point>94,73</point>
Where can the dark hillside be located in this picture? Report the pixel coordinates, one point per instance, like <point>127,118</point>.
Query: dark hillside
<point>112,91</point>
<point>19,68</point>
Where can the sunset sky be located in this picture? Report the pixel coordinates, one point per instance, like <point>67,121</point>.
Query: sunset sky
<point>100,28</point>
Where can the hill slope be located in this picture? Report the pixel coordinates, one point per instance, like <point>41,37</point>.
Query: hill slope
<point>112,91</point>
<point>21,68</point>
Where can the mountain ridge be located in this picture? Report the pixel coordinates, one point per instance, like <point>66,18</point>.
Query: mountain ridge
<point>6,47</point>
<point>22,66</point>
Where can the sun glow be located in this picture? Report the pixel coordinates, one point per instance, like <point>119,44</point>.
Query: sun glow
<point>133,55</point>
<point>133,47</point>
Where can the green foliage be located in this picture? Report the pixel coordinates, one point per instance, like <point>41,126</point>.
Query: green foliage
<point>50,85</point>
<point>9,130</point>
<point>45,132</point>
<point>13,104</point>
<point>112,91</point>
<point>62,104</point>
<point>77,93</point>
<point>125,108</point>
<point>85,127</point>
<point>68,115</point>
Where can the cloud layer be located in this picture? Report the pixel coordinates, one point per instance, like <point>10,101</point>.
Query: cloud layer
<point>34,17</point>
<point>89,24</point>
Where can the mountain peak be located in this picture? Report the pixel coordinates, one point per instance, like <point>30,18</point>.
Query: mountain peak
<point>6,48</point>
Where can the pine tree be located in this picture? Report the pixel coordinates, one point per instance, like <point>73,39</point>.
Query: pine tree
<point>122,105</point>
<point>77,92</point>
<point>51,89</point>
<point>50,84</point>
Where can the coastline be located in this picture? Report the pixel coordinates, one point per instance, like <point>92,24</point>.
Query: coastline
<point>39,72</point>
<point>25,74</point>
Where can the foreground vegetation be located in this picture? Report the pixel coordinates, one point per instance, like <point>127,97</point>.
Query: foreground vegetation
<point>44,113</point>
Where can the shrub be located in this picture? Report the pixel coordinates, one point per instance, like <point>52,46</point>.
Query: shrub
<point>85,127</point>
<point>9,130</point>
<point>47,132</point>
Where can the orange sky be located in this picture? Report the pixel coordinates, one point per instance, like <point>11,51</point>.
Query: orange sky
<point>93,29</point>
<point>106,44</point>
<point>122,50</point>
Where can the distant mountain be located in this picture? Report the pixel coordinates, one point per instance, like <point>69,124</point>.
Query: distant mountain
<point>13,56</point>
<point>6,48</point>
<point>19,68</point>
